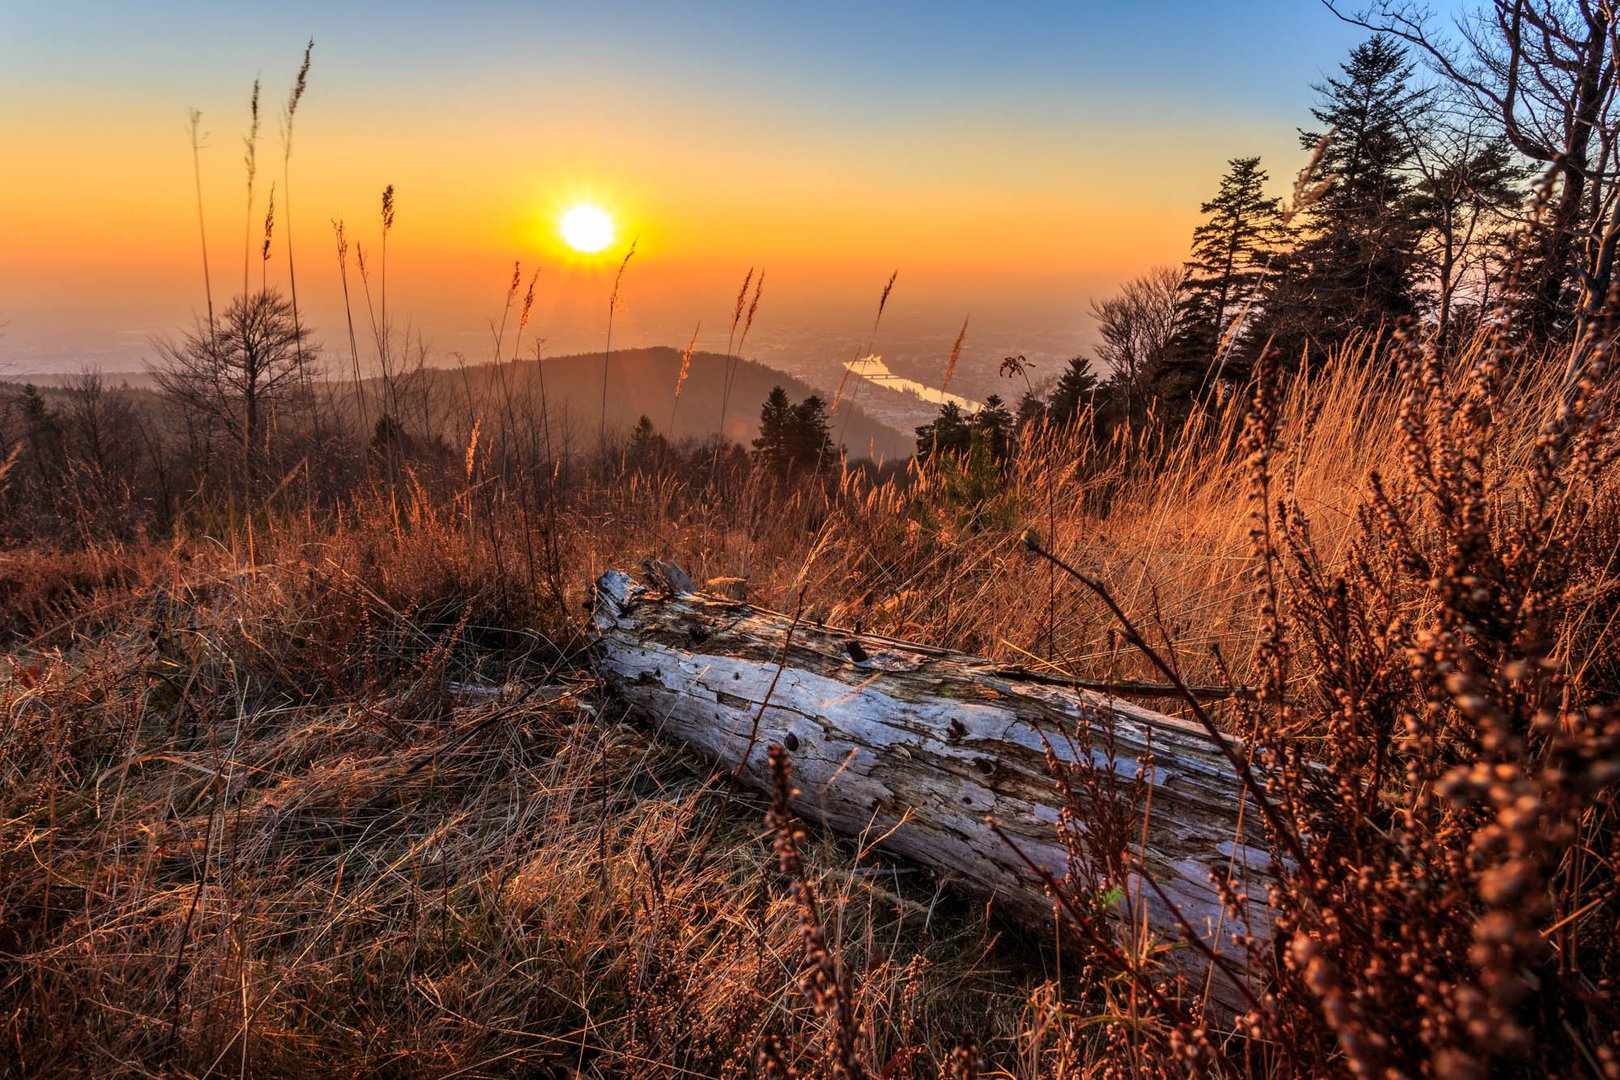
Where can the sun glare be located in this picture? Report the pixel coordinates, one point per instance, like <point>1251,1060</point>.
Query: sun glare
<point>587,229</point>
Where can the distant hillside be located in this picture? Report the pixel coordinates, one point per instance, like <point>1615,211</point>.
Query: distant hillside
<point>641,382</point>
<point>134,378</point>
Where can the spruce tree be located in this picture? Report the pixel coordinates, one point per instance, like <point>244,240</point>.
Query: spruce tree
<point>1074,391</point>
<point>1031,410</point>
<point>42,425</point>
<point>810,439</point>
<point>771,449</point>
<point>994,424</point>
<point>794,438</point>
<point>647,448</point>
<point>1231,255</point>
<point>1355,268</point>
<point>947,434</point>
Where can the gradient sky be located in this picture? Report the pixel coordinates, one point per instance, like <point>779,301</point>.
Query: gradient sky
<point>1012,160</point>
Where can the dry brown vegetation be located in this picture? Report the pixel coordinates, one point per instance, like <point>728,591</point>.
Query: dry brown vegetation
<point>326,787</point>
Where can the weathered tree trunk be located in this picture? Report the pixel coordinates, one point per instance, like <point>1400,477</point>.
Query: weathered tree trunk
<point>916,748</point>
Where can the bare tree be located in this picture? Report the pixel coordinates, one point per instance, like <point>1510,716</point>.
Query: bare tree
<point>1467,188</point>
<point>1138,323</point>
<point>234,376</point>
<point>100,422</point>
<point>1547,72</point>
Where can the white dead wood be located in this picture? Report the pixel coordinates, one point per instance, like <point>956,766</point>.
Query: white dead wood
<point>916,747</point>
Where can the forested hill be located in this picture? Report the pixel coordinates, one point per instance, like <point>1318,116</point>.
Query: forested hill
<point>641,382</point>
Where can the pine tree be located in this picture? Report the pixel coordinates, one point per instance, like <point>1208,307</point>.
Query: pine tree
<point>42,427</point>
<point>794,438</point>
<point>994,423</point>
<point>1231,255</point>
<point>1075,390</point>
<point>1355,269</point>
<point>772,448</point>
<point>647,448</point>
<point>810,439</point>
<point>947,434</point>
<point>1031,409</point>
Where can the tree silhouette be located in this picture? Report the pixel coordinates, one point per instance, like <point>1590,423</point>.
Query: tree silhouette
<point>948,433</point>
<point>1355,268</point>
<point>793,438</point>
<point>233,375</point>
<point>771,449</point>
<point>1137,327</point>
<point>1230,257</point>
<point>1074,391</point>
<point>810,435</point>
<point>1544,73</point>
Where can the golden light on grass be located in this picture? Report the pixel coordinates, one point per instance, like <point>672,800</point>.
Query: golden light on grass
<point>586,228</point>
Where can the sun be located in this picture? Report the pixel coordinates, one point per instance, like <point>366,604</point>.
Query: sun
<point>586,228</point>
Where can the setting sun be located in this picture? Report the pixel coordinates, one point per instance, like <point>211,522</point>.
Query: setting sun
<point>635,516</point>
<point>587,229</point>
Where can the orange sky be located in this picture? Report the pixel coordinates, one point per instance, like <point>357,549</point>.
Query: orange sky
<point>1015,195</point>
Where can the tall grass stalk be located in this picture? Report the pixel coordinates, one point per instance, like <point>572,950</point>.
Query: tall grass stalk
<point>288,113</point>
<point>730,362</point>
<point>264,247</point>
<point>734,355</point>
<point>342,239</point>
<point>871,343</point>
<point>250,159</point>
<point>378,313</point>
<point>202,231</point>
<point>607,348</point>
<point>955,355</point>
<point>680,376</point>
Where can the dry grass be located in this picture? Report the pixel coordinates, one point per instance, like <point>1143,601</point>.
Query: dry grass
<point>358,807</point>
<point>1162,517</point>
<point>348,811</point>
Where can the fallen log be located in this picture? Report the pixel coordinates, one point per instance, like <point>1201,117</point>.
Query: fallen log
<point>918,748</point>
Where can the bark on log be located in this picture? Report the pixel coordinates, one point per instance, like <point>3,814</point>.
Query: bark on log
<point>919,746</point>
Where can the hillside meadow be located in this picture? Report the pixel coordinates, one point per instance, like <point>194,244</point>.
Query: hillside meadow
<point>356,803</point>
<point>310,764</point>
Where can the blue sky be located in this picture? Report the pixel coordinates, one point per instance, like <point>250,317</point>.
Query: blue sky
<point>1014,159</point>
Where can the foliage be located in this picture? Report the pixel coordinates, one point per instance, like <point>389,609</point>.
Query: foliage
<point>1231,255</point>
<point>1074,393</point>
<point>304,771</point>
<point>1353,270</point>
<point>305,749</point>
<point>794,438</point>
<point>234,378</point>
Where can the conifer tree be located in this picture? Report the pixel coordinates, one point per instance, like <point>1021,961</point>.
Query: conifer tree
<point>1031,409</point>
<point>42,427</point>
<point>947,434</point>
<point>1231,255</point>
<point>1074,391</point>
<point>647,447</point>
<point>771,449</point>
<point>1355,268</point>
<point>994,424</point>
<point>810,439</point>
<point>794,438</point>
